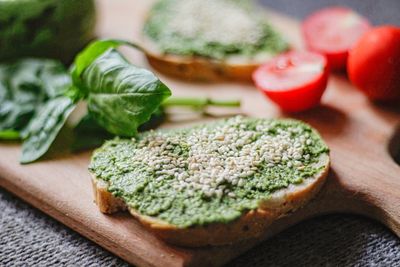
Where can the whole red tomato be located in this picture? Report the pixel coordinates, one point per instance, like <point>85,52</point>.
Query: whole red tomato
<point>374,63</point>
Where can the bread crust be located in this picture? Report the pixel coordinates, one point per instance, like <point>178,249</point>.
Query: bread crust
<point>106,202</point>
<point>252,224</point>
<point>197,68</point>
<point>200,69</point>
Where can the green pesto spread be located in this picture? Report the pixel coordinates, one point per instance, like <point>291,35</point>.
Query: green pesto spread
<point>210,173</point>
<point>45,28</point>
<point>212,28</point>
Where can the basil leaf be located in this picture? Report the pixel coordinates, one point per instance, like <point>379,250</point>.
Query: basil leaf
<point>121,96</point>
<point>7,118</point>
<point>44,127</point>
<point>157,118</point>
<point>55,79</point>
<point>21,94</point>
<point>24,87</point>
<point>90,54</point>
<point>88,134</point>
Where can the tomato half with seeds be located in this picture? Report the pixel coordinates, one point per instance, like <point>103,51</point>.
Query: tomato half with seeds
<point>295,81</point>
<point>333,31</point>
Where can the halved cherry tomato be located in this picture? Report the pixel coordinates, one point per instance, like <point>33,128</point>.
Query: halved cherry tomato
<point>333,31</point>
<point>374,63</point>
<point>295,80</point>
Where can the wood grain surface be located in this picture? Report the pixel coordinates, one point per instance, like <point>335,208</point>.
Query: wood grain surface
<point>364,178</point>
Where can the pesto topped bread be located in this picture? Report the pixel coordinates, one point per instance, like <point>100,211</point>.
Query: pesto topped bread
<point>212,184</point>
<point>220,34</point>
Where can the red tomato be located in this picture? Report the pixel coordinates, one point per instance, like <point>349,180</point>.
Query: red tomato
<point>295,80</point>
<point>374,63</point>
<point>333,31</point>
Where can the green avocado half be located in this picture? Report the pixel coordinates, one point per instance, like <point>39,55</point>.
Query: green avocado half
<point>45,28</point>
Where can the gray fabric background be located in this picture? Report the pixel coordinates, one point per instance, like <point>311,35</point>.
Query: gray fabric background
<point>30,238</point>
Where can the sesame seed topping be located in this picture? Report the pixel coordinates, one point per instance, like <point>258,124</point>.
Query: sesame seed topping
<point>208,173</point>
<point>221,158</point>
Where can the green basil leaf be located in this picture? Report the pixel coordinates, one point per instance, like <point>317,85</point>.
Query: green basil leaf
<point>55,79</point>
<point>121,96</point>
<point>44,127</point>
<point>88,134</point>
<point>21,94</point>
<point>25,86</point>
<point>90,54</point>
<point>7,115</point>
<point>157,118</point>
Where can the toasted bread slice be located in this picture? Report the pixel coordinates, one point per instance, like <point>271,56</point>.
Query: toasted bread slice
<point>201,69</point>
<point>252,224</point>
<point>196,68</point>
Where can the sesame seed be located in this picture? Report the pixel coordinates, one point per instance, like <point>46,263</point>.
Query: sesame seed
<point>222,158</point>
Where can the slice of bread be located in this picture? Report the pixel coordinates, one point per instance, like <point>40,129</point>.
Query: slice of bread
<point>201,69</point>
<point>196,20</point>
<point>196,68</point>
<point>251,224</point>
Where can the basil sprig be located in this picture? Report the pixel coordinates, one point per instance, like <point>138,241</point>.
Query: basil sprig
<point>119,95</point>
<point>38,96</point>
<point>24,87</point>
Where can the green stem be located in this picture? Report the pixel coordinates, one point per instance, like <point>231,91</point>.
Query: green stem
<point>199,102</point>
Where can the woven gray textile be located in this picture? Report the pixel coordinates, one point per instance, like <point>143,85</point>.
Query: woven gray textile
<point>30,238</point>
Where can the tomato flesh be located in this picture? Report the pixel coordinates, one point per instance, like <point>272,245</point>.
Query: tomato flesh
<point>295,81</point>
<point>333,31</point>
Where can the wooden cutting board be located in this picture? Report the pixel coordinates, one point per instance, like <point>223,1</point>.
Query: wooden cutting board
<point>364,179</point>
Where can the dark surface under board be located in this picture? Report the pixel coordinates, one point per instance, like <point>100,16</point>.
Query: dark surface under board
<point>377,11</point>
<point>30,238</point>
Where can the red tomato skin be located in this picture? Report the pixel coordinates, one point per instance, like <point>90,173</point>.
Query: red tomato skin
<point>374,63</point>
<point>301,98</point>
<point>337,59</point>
